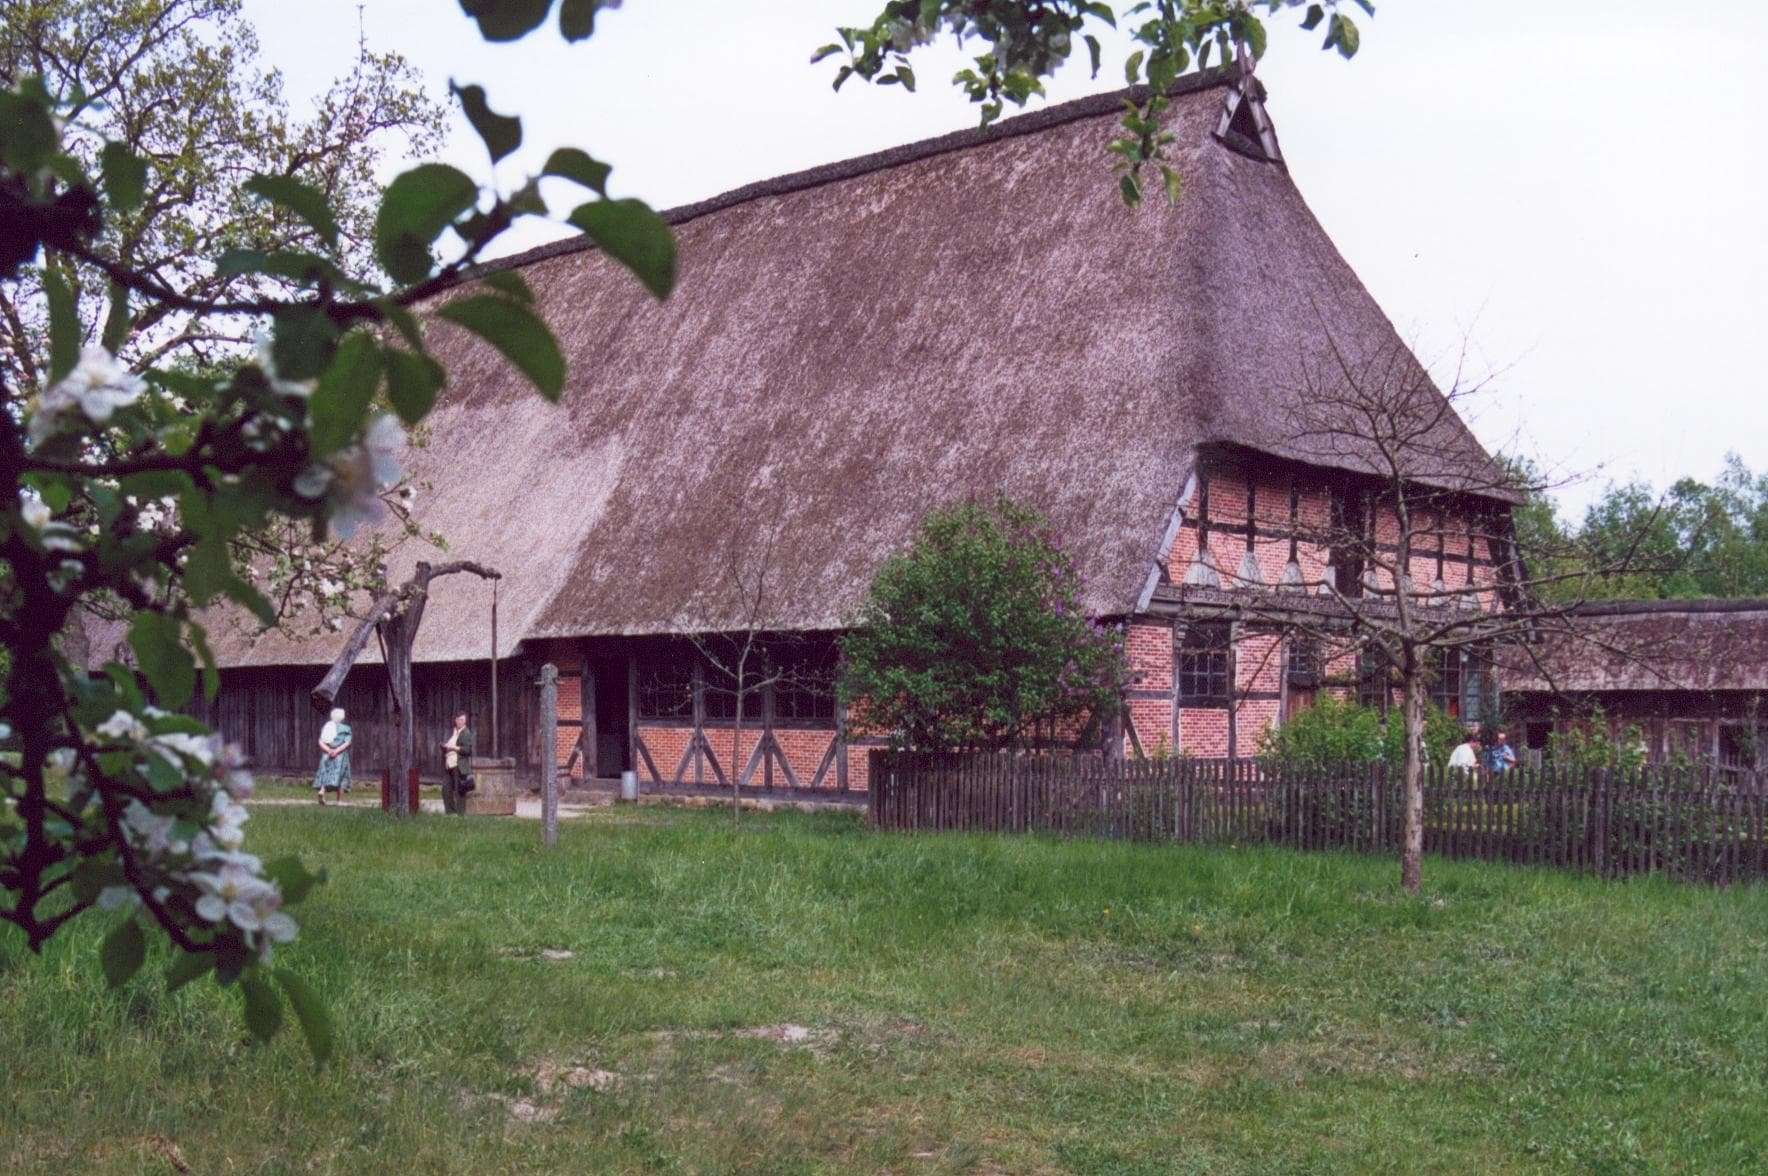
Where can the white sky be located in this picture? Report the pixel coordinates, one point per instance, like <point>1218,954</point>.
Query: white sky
<point>1570,193</point>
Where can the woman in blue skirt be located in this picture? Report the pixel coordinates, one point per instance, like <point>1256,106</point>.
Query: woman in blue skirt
<point>334,759</point>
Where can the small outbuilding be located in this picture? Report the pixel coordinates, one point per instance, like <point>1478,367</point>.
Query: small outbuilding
<point>1685,678</point>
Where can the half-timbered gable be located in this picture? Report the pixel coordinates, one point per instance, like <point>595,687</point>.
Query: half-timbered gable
<point>851,347</point>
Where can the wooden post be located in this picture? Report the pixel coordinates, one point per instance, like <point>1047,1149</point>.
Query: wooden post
<point>549,754</point>
<point>632,711</point>
<point>494,669</point>
<point>588,733</point>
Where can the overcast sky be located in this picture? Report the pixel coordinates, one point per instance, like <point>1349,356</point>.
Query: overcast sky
<point>1571,194</point>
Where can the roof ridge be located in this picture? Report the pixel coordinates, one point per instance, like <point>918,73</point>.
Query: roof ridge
<point>1090,106</point>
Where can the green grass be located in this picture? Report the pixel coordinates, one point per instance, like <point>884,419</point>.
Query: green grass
<point>975,1004</point>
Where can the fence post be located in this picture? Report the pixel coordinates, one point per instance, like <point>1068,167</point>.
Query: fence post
<point>549,754</point>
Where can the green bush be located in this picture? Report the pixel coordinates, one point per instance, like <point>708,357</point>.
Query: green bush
<point>1335,731</point>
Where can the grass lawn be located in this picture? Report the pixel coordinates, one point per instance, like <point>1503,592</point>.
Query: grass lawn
<point>807,997</point>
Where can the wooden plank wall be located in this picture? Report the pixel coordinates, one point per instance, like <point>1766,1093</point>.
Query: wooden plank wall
<point>267,712</point>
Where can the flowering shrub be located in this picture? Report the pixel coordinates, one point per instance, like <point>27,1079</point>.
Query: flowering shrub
<point>150,491</point>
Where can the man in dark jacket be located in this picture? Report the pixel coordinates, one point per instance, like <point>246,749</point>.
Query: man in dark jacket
<point>457,758</point>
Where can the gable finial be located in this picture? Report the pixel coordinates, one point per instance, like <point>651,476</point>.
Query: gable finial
<point>1244,125</point>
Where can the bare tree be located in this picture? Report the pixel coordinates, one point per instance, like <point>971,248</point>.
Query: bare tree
<point>395,616</point>
<point>745,659</point>
<point>1427,500</point>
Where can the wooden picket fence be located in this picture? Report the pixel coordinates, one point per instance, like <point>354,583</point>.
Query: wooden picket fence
<point>1689,824</point>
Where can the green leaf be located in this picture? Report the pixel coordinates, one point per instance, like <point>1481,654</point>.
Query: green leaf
<point>412,384</point>
<point>262,1006</point>
<point>125,177</point>
<point>295,265</point>
<point>417,206</point>
<point>1130,189</point>
<point>577,19</point>
<point>404,321</point>
<point>907,76</point>
<point>1315,15</point>
<point>339,404</point>
<point>1253,32</point>
<point>64,324</point>
<point>305,202</point>
<point>292,878</point>
<point>94,874</point>
<point>164,662</point>
<point>825,51</point>
<point>506,20</point>
<point>1093,52</point>
<point>301,342</point>
<point>208,570</point>
<point>199,638</point>
<point>510,283</point>
<point>1132,68</point>
<point>310,1011</point>
<point>1170,178</point>
<point>1348,36</point>
<point>579,167</point>
<point>501,133</point>
<point>188,966</point>
<point>633,235</point>
<point>27,134</point>
<point>517,332</point>
<point>116,320</point>
<point>123,952</point>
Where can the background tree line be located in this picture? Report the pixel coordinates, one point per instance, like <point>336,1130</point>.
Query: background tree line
<point>1697,539</point>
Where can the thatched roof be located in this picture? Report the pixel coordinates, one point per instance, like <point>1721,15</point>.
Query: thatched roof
<point>1648,645</point>
<point>850,347</point>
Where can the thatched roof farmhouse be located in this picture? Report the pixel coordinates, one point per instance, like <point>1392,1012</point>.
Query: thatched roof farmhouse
<point>848,348</point>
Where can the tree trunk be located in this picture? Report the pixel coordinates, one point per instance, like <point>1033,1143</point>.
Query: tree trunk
<point>396,616</point>
<point>737,745</point>
<point>1412,855</point>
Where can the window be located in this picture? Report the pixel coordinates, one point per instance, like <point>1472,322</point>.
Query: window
<point>1374,680</point>
<point>1203,665</point>
<point>1459,689</point>
<point>806,693</point>
<point>1347,541</point>
<point>666,688</point>
<point>721,695</point>
<point>1306,662</point>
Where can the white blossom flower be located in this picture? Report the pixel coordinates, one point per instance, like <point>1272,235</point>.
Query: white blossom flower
<point>236,895</point>
<point>225,818</point>
<point>113,898</point>
<point>98,386</point>
<point>173,744</point>
<point>122,725</point>
<point>229,765</point>
<point>351,479</point>
<point>151,832</point>
<point>33,509</point>
<point>266,361</point>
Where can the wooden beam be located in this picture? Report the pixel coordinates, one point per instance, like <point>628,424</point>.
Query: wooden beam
<point>587,736</point>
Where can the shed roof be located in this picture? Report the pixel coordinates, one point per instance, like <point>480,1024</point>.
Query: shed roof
<point>1635,645</point>
<point>852,346</point>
